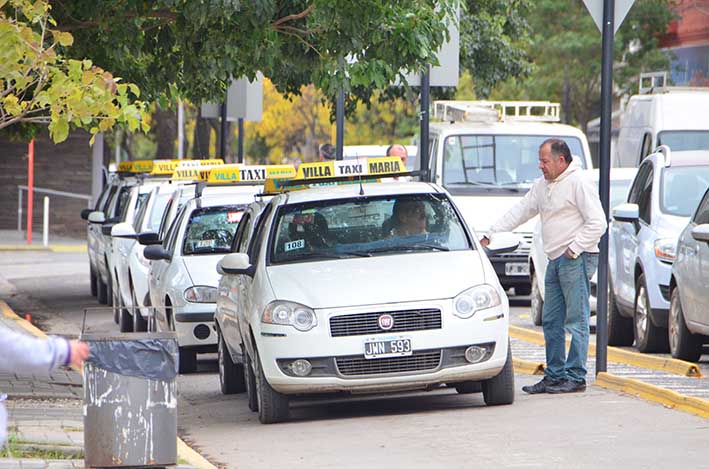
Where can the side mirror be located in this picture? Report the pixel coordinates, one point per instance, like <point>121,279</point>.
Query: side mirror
<point>235,264</point>
<point>148,238</point>
<point>123,230</point>
<point>156,253</point>
<point>96,217</point>
<point>701,232</point>
<point>629,213</point>
<point>503,243</point>
<point>85,213</point>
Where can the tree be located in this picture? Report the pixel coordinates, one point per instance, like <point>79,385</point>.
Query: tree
<point>38,85</point>
<point>566,50</point>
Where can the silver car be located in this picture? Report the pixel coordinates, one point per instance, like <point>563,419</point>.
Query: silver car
<point>689,302</point>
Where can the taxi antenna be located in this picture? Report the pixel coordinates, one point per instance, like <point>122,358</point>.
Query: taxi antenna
<point>361,188</point>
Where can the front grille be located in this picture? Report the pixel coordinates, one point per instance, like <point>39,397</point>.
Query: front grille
<point>368,323</point>
<point>359,366</point>
<point>665,290</point>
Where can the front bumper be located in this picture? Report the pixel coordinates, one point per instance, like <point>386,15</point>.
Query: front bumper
<point>339,364</point>
<point>194,325</point>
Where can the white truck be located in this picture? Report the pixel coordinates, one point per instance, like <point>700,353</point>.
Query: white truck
<point>486,154</point>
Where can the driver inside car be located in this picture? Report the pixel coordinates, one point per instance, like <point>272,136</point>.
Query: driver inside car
<point>409,217</point>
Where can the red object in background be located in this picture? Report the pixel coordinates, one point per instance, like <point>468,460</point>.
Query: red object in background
<point>28,317</point>
<point>30,189</point>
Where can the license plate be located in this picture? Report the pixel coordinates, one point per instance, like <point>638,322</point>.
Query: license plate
<point>516,268</point>
<point>387,347</point>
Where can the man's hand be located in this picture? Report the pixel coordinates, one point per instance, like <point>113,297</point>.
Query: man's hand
<point>484,241</point>
<point>569,254</point>
<point>79,352</point>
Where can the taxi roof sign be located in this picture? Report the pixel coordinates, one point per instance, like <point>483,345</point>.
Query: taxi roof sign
<point>257,173</point>
<point>195,170</point>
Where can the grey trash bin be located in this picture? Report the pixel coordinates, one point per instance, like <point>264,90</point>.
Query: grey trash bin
<point>130,400</point>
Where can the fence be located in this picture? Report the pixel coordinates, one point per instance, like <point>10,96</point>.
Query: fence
<point>42,190</point>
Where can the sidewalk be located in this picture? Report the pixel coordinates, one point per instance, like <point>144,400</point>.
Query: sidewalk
<point>13,240</point>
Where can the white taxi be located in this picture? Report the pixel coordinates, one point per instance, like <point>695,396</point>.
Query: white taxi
<point>182,278</point>
<point>363,288</point>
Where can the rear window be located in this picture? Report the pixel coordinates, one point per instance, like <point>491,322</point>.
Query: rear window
<point>211,230</point>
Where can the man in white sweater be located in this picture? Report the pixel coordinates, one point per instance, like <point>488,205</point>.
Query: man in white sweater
<point>573,222</point>
<point>25,355</point>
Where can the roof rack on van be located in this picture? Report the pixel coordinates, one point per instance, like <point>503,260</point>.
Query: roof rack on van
<point>656,82</point>
<point>496,111</point>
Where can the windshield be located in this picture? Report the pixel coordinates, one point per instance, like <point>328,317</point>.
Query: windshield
<point>681,189</point>
<point>365,227</point>
<point>496,160</point>
<point>210,230</point>
<point>684,139</point>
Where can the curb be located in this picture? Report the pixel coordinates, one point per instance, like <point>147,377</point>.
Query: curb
<point>527,367</point>
<point>183,450</point>
<point>51,247</point>
<point>649,392</point>
<point>669,365</point>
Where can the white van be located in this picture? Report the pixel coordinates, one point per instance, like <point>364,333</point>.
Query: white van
<point>660,115</point>
<point>486,154</point>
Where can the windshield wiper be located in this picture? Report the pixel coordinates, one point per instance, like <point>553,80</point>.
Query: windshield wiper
<point>410,247</point>
<point>321,255</point>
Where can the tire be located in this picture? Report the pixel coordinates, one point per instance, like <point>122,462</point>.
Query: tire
<point>139,323</point>
<point>125,319</point>
<point>500,390</point>
<point>94,282</point>
<point>537,302</point>
<point>250,382</point>
<point>648,337</point>
<point>109,292</point>
<point>231,375</point>
<point>683,344</point>
<point>188,361</point>
<point>468,387</point>
<point>102,293</point>
<point>272,405</point>
<point>620,328</point>
<point>523,290</point>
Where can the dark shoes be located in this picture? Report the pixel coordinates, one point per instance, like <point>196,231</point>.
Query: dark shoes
<point>541,387</point>
<point>567,385</point>
<point>552,386</point>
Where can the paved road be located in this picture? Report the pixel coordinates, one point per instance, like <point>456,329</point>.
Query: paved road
<point>441,428</point>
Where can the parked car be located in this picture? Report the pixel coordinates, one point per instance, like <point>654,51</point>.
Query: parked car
<point>689,288</point>
<point>644,233</point>
<point>620,180</point>
<point>314,300</point>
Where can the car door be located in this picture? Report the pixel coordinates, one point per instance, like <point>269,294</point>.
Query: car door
<point>157,275</point>
<point>696,285</point>
<point>625,236</point>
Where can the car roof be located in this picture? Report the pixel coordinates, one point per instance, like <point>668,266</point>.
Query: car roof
<point>689,158</point>
<point>506,128</point>
<point>345,191</point>
<point>232,197</point>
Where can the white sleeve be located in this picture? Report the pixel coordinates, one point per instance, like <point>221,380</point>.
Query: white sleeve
<point>26,355</point>
<point>522,211</point>
<point>589,205</point>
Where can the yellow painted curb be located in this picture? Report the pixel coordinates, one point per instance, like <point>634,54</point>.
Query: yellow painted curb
<point>649,392</point>
<point>183,450</point>
<point>669,365</point>
<point>22,247</point>
<point>67,248</point>
<point>527,367</point>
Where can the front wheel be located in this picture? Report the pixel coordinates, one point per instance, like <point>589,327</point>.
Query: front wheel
<point>231,375</point>
<point>648,337</point>
<point>94,283</point>
<point>102,293</point>
<point>139,322</point>
<point>250,381</point>
<point>500,390</point>
<point>272,405</point>
<point>683,344</point>
<point>537,302</point>
<point>188,360</point>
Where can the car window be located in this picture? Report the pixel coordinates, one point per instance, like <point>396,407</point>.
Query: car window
<point>121,202</point>
<point>156,212</point>
<point>170,237</point>
<point>142,198</point>
<point>679,140</point>
<point>646,148</point>
<point>681,189</point>
<point>103,197</point>
<point>140,216</point>
<point>702,214</point>
<point>165,216</point>
<point>495,160</point>
<point>256,240</point>
<point>383,225</point>
<point>211,229</point>
<point>645,198</point>
<point>639,183</point>
<point>242,233</point>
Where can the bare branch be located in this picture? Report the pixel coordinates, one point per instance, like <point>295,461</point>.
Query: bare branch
<point>296,16</point>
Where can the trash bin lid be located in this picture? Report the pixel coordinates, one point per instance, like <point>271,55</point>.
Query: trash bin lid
<point>131,336</point>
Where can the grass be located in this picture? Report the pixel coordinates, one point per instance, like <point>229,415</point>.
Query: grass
<point>16,449</point>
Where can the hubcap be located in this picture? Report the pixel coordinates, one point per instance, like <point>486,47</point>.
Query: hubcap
<point>674,324</point>
<point>641,314</point>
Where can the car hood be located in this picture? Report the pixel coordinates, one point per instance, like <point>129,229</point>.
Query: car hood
<point>202,269</point>
<point>671,226</point>
<point>480,212</point>
<point>377,280</point>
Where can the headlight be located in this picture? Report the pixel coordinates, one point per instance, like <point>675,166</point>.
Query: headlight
<point>475,299</point>
<point>287,313</point>
<point>201,295</point>
<point>666,249</point>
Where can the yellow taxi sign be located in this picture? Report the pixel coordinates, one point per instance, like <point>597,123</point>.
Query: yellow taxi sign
<point>255,173</point>
<point>205,162</point>
<point>195,170</point>
<point>165,167</point>
<point>137,166</point>
<point>125,166</point>
<point>317,170</point>
<point>385,165</point>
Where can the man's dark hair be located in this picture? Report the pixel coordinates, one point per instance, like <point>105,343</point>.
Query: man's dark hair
<point>328,151</point>
<point>389,149</point>
<point>558,148</point>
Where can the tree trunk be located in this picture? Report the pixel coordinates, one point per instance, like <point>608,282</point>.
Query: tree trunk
<point>200,145</point>
<point>165,132</point>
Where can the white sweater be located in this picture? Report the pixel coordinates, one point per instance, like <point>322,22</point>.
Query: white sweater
<point>570,209</point>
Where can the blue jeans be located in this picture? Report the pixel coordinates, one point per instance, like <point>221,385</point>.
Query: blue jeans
<point>566,307</point>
